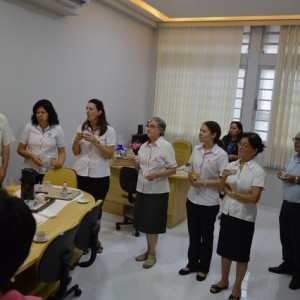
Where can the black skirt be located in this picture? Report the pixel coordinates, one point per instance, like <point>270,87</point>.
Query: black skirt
<point>150,213</point>
<point>235,238</point>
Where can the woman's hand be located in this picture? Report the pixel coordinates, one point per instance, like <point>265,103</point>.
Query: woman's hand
<point>228,190</point>
<point>89,137</point>
<point>192,178</point>
<point>36,160</point>
<point>131,157</point>
<point>78,137</point>
<point>226,173</point>
<point>151,176</point>
<point>55,163</point>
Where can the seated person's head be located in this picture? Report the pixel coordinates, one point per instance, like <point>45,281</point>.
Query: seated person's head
<point>17,228</point>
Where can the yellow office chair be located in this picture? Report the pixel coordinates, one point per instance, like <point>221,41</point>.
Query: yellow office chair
<point>183,150</point>
<point>59,176</point>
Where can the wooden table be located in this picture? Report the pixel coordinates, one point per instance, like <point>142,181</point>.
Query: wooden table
<point>179,185</point>
<point>67,218</point>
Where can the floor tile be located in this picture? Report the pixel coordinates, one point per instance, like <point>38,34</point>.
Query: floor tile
<point>116,275</point>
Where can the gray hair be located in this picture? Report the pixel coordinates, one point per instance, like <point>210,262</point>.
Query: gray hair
<point>160,123</point>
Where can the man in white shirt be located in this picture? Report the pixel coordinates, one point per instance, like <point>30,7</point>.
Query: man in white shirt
<point>6,137</point>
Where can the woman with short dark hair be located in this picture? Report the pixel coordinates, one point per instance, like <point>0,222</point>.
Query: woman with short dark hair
<point>42,143</point>
<point>231,140</point>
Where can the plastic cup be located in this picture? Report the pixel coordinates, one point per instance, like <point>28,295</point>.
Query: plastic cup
<point>194,175</point>
<point>233,171</point>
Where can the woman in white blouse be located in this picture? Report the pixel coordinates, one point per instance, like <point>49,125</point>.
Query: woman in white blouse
<point>242,182</point>
<point>156,161</point>
<point>203,201</point>
<point>42,143</point>
<point>94,145</point>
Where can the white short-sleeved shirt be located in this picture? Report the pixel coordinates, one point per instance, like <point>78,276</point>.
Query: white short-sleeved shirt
<point>42,143</point>
<point>6,135</point>
<point>252,174</point>
<point>209,165</point>
<point>155,157</point>
<point>90,162</point>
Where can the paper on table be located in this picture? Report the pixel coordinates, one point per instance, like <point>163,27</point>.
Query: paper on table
<point>52,210</point>
<point>48,215</point>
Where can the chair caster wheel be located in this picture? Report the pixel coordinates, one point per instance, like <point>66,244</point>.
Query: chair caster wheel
<point>77,292</point>
<point>137,233</point>
<point>118,227</point>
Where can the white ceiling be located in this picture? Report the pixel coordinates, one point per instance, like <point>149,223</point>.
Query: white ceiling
<point>221,8</point>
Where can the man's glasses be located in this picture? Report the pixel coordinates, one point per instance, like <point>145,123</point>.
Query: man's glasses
<point>151,126</point>
<point>295,139</point>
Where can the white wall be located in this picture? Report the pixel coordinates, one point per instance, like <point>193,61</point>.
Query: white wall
<point>97,54</point>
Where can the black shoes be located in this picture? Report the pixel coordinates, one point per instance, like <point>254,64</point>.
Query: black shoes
<point>295,283</point>
<point>200,277</point>
<point>281,269</point>
<point>186,271</point>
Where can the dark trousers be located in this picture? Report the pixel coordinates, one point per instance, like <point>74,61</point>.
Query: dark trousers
<point>97,187</point>
<point>289,221</point>
<point>201,223</point>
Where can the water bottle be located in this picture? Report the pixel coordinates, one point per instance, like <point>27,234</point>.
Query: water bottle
<point>64,190</point>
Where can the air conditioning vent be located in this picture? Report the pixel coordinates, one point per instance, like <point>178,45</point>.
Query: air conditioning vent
<point>60,7</point>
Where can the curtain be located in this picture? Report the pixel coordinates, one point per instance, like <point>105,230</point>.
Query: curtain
<point>285,113</point>
<point>196,80</point>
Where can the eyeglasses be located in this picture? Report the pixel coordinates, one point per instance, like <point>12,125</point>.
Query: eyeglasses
<point>151,126</point>
<point>295,139</point>
<point>243,145</point>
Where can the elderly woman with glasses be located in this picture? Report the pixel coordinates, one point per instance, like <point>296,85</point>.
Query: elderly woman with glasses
<point>155,162</point>
<point>242,182</point>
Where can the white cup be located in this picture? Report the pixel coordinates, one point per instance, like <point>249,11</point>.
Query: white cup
<point>40,197</point>
<point>40,235</point>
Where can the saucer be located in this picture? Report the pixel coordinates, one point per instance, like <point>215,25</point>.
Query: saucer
<point>82,200</point>
<point>45,239</point>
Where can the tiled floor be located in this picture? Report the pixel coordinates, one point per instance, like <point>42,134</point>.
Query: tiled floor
<point>115,275</point>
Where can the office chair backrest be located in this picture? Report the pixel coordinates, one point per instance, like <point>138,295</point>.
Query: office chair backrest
<point>87,236</point>
<point>84,235</point>
<point>183,150</point>
<point>59,176</point>
<point>57,256</point>
<point>128,180</point>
